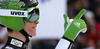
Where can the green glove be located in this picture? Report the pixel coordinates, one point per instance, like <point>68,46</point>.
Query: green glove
<point>72,29</point>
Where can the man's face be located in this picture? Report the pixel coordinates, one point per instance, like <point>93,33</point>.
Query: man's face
<point>30,28</point>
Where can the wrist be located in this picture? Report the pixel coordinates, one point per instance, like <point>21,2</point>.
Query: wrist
<point>63,44</point>
<point>68,39</point>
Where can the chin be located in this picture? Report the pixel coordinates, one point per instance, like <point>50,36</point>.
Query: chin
<point>33,32</point>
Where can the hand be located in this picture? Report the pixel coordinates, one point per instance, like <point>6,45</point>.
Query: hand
<point>72,29</point>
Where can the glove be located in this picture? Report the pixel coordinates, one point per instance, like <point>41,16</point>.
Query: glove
<point>75,27</point>
<point>72,29</point>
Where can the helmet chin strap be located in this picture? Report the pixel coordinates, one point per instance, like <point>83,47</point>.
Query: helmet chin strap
<point>25,34</point>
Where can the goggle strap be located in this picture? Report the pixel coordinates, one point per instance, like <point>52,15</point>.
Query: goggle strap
<point>13,13</point>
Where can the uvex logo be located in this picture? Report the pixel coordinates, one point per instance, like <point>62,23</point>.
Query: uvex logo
<point>17,13</point>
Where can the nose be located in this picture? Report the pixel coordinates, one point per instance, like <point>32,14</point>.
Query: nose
<point>36,22</point>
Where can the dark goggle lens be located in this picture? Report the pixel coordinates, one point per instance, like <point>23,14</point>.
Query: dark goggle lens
<point>33,15</point>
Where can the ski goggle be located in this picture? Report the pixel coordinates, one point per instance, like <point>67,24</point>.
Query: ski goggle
<point>33,14</point>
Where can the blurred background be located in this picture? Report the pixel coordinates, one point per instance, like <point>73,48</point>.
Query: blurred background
<point>51,26</point>
<point>91,39</point>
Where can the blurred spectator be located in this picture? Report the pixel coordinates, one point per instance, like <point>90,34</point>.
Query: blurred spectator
<point>44,44</point>
<point>73,8</point>
<point>98,44</point>
<point>3,32</point>
<point>97,13</point>
<point>92,19</point>
<point>2,42</point>
<point>93,4</point>
<point>93,35</point>
<point>90,44</point>
<point>85,4</point>
<point>79,42</point>
<point>97,24</point>
<point>3,36</point>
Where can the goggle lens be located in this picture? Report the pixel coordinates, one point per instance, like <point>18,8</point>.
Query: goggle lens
<point>33,14</point>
